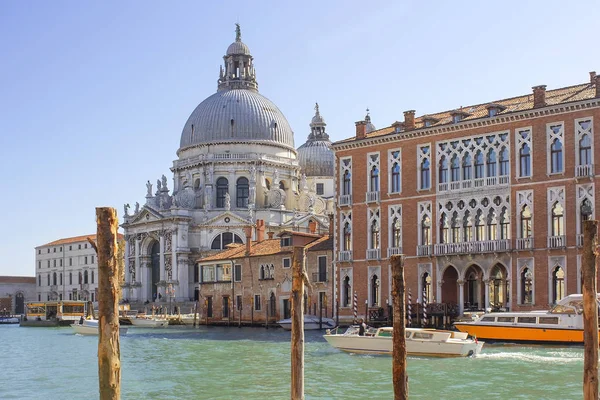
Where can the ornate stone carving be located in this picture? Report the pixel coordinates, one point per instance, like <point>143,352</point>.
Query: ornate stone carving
<point>168,241</point>
<point>164,183</point>
<point>186,198</point>
<point>132,245</point>
<point>168,268</point>
<point>132,270</point>
<point>126,209</point>
<point>276,198</point>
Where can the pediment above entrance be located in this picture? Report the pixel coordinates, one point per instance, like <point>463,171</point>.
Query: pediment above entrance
<point>146,215</point>
<point>227,219</point>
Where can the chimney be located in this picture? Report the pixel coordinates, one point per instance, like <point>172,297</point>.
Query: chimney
<point>260,230</point>
<point>592,77</point>
<point>539,96</point>
<point>331,227</point>
<point>312,227</point>
<point>270,234</point>
<point>597,79</point>
<point>248,239</point>
<point>361,129</point>
<point>409,120</point>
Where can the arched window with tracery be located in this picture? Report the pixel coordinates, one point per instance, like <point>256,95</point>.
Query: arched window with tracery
<point>455,169</point>
<point>374,235</point>
<point>525,161</point>
<point>526,226</point>
<point>492,226</point>
<point>585,150</point>
<point>467,227</point>
<point>426,231</point>
<point>455,228</point>
<point>374,290</point>
<point>558,222</point>
<point>374,179</point>
<point>396,177</point>
<point>222,190</point>
<point>526,286</point>
<point>444,229</point>
<point>347,237</point>
<point>479,165</point>
<point>505,224</point>
<point>347,184</point>
<point>221,241</point>
<point>467,167</point>
<point>558,284</point>
<point>443,170</point>
<point>396,233</point>
<point>425,174</point>
<point>479,226</point>
<point>556,157</point>
<point>491,163</point>
<point>504,162</point>
<point>346,292</point>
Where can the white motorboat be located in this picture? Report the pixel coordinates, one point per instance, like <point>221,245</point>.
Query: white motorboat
<point>311,322</point>
<point>419,342</point>
<point>9,320</point>
<point>90,327</point>
<point>142,322</point>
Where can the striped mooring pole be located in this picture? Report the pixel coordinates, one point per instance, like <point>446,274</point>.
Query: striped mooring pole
<point>424,307</point>
<point>355,306</point>
<point>409,311</point>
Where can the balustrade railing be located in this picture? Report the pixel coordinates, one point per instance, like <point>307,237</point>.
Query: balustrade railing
<point>524,243</point>
<point>475,183</point>
<point>424,250</point>
<point>345,200</point>
<point>485,246</point>
<point>372,197</point>
<point>373,254</point>
<point>345,256</point>
<point>584,170</point>
<point>555,242</point>
<point>392,251</point>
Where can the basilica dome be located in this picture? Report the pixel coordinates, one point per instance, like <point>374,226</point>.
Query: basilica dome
<point>237,113</point>
<point>316,157</point>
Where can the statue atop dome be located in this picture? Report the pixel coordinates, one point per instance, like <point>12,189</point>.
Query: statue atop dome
<point>238,33</point>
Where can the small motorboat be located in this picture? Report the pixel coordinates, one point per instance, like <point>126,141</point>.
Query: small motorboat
<point>419,342</point>
<point>311,322</point>
<point>9,320</point>
<point>89,327</point>
<point>143,322</point>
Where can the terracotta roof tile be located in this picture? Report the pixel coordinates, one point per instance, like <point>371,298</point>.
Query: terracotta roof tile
<point>75,239</point>
<point>515,104</point>
<point>324,243</point>
<point>17,279</point>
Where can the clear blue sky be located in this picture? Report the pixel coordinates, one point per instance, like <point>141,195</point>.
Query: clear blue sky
<point>93,95</point>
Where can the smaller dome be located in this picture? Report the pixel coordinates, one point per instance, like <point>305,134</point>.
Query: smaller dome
<point>316,158</point>
<point>238,47</point>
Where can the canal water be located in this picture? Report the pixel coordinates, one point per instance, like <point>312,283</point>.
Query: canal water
<point>254,363</point>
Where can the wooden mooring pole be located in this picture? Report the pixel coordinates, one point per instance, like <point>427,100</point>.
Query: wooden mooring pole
<point>109,351</point>
<point>299,278</point>
<point>590,311</point>
<point>399,376</point>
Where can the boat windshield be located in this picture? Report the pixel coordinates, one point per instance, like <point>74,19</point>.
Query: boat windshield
<point>572,307</point>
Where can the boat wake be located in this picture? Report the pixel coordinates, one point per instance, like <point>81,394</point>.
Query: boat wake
<point>557,357</point>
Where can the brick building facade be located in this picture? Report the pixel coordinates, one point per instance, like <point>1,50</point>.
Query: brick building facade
<point>486,202</point>
<point>253,281</point>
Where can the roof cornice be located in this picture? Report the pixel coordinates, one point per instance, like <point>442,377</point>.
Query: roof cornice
<point>470,124</point>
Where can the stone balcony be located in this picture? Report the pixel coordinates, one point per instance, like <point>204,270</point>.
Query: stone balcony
<point>582,171</point>
<point>557,242</point>
<point>524,243</point>
<point>345,200</point>
<point>345,256</point>
<point>424,250</point>
<point>373,254</point>
<point>485,246</point>
<point>393,251</point>
<point>474,184</point>
<point>372,197</point>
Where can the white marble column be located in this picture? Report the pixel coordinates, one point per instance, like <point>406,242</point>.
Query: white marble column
<point>461,297</point>
<point>487,293</point>
<point>126,263</point>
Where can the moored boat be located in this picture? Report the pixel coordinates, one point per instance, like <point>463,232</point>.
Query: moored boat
<point>419,342</point>
<point>311,322</point>
<point>9,320</point>
<point>142,322</point>
<point>562,324</point>
<point>89,327</point>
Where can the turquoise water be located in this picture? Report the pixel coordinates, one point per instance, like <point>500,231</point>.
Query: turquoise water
<point>254,363</point>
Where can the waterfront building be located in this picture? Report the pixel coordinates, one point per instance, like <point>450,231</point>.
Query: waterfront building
<point>486,202</point>
<point>253,281</point>
<point>67,269</point>
<point>236,164</point>
<point>15,291</point>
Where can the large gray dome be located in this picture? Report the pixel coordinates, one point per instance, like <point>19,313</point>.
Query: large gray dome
<point>316,158</point>
<point>237,115</point>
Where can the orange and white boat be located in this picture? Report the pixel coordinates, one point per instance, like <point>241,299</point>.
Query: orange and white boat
<point>562,324</point>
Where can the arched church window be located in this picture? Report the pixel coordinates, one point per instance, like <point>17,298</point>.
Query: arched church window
<point>222,190</point>
<point>222,240</point>
<point>242,192</point>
